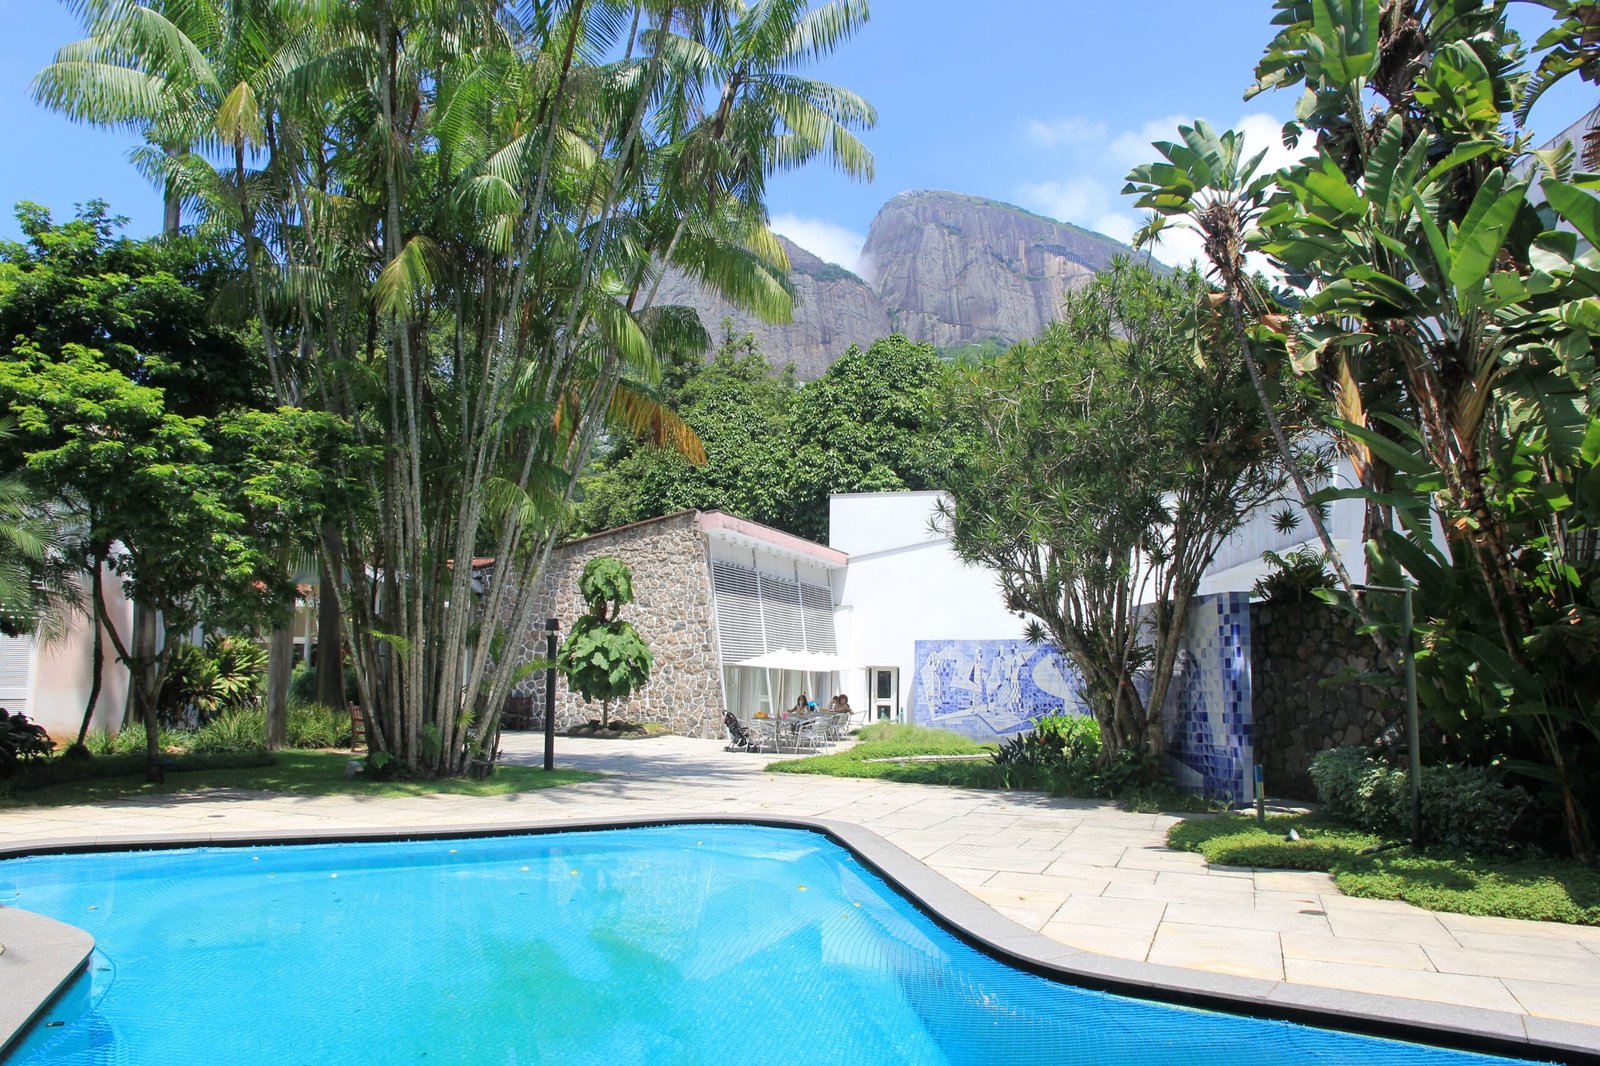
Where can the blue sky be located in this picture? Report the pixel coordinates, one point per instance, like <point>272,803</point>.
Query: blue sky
<point>1043,103</point>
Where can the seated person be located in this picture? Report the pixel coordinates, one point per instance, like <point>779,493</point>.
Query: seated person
<point>840,705</point>
<point>799,707</point>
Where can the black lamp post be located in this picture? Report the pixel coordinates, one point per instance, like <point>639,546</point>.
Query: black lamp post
<point>551,626</point>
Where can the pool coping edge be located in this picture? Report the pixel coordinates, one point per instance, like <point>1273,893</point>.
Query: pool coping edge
<point>53,953</point>
<point>974,922</point>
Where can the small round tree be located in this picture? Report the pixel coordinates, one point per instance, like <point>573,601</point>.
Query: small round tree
<point>603,657</point>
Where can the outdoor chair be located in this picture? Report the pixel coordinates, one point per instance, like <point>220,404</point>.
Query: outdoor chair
<point>741,738</point>
<point>838,726</point>
<point>811,733</point>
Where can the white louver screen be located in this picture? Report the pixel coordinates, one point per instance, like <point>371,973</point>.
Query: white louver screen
<point>780,606</point>
<point>816,606</point>
<point>739,628</point>
<point>757,614</point>
<point>16,681</point>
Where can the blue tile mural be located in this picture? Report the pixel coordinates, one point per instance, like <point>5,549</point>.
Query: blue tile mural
<point>994,688</point>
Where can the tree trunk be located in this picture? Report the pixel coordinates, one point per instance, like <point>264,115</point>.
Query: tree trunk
<point>280,660</point>
<point>141,658</point>
<point>97,667</point>
<point>330,636</point>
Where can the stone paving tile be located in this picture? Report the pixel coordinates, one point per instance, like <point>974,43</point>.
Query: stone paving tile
<point>1102,939</point>
<point>959,855</point>
<point>1246,917</point>
<point>1417,928</point>
<point>1032,909</point>
<point>1076,868</point>
<point>1546,946</point>
<point>1168,894</point>
<point>1324,947</point>
<point>1475,923</point>
<point>1567,1002</point>
<point>1294,902</point>
<point>1483,993</point>
<point>1048,882</point>
<point>1115,913</point>
<point>1546,966</point>
<point>1292,881</point>
<point>1242,952</point>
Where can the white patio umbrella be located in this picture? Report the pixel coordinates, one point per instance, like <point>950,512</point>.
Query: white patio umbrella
<point>813,662</point>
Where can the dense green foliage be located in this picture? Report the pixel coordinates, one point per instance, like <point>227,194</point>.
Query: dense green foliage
<point>1463,807</point>
<point>603,657</point>
<point>1445,311</point>
<point>134,419</point>
<point>925,756</point>
<point>1441,879</point>
<point>775,450</point>
<point>1115,456</point>
<point>22,741</point>
<point>452,218</point>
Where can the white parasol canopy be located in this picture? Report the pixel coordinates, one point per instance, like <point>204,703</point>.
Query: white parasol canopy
<point>811,662</point>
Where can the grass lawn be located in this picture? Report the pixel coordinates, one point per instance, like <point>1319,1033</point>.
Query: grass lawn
<point>1541,889</point>
<point>890,741</point>
<point>301,773</point>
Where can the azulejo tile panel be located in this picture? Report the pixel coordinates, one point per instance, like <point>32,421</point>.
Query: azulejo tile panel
<point>995,688</point>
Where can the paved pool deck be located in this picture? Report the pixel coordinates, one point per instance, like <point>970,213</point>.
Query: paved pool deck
<point>1089,878</point>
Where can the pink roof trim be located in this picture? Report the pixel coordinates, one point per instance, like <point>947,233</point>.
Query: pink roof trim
<point>718,520</point>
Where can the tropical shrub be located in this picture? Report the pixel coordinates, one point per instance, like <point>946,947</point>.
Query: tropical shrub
<point>1466,807</point>
<point>21,742</point>
<point>603,657</point>
<point>1294,577</point>
<point>228,673</point>
<point>1058,742</point>
<point>313,725</point>
<point>244,729</point>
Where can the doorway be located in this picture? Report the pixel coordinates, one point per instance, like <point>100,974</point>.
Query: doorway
<point>883,687</point>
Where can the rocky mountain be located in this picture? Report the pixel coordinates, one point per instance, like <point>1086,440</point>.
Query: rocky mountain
<point>833,310</point>
<point>944,268</point>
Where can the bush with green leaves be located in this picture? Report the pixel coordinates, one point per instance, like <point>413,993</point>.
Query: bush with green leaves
<point>603,658</point>
<point>313,725</point>
<point>244,729</point>
<point>227,673</point>
<point>1294,577</point>
<point>1466,807</point>
<point>1061,743</point>
<point>21,742</point>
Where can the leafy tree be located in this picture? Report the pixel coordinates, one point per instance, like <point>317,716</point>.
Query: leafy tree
<point>775,450</point>
<point>1113,457</point>
<point>453,216</point>
<point>603,657</point>
<point>871,423</point>
<point>1449,322</point>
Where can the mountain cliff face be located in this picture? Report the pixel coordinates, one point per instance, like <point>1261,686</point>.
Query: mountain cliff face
<point>947,269</point>
<point>833,309</point>
<point>955,270</point>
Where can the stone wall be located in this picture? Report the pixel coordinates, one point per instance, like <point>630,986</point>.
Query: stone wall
<point>1296,646</point>
<point>672,611</point>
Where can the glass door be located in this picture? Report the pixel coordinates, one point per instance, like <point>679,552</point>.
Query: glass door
<point>884,686</point>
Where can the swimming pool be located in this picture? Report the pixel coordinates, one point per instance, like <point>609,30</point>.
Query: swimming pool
<point>676,944</point>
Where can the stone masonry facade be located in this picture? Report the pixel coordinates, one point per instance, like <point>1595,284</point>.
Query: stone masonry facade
<point>1294,647</point>
<point>672,610</point>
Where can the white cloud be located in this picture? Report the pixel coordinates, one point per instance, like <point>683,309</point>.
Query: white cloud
<point>823,239</point>
<point>1048,133</point>
<point>1088,166</point>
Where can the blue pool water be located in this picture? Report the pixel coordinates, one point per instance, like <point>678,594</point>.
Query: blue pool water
<point>684,944</point>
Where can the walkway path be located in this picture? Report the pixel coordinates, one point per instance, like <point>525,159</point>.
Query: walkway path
<point>1082,873</point>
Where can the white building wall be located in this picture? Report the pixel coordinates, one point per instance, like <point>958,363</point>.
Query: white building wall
<point>60,678</point>
<point>904,584</point>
